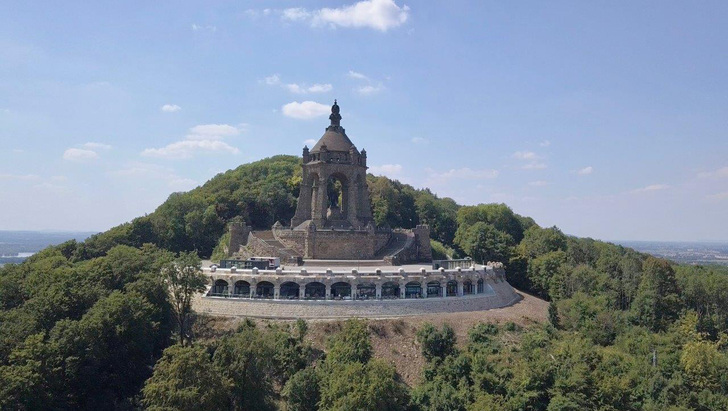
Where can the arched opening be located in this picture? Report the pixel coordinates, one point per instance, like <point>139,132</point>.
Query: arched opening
<point>242,289</point>
<point>390,290</point>
<point>452,288</point>
<point>480,285</point>
<point>366,291</point>
<point>413,289</point>
<point>264,289</point>
<point>433,289</point>
<point>341,290</point>
<point>315,290</point>
<point>337,195</point>
<point>290,290</point>
<point>468,287</point>
<point>220,288</point>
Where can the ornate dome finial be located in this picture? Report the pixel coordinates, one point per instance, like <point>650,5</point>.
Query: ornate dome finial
<point>335,117</point>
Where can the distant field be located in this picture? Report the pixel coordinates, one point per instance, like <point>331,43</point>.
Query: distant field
<point>683,252</point>
<point>16,246</point>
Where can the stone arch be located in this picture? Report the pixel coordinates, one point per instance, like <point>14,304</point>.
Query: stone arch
<point>366,290</point>
<point>413,289</point>
<point>341,289</point>
<point>315,289</point>
<point>242,288</point>
<point>264,289</point>
<point>390,289</point>
<point>468,287</point>
<point>220,288</point>
<point>337,196</point>
<point>452,288</point>
<point>434,289</point>
<point>290,290</point>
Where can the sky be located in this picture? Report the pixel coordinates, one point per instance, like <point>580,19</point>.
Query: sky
<point>606,119</point>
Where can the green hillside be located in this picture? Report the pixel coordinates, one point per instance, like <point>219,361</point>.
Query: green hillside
<point>84,325</point>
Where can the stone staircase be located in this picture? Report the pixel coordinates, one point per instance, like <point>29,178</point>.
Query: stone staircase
<point>264,244</point>
<point>397,244</point>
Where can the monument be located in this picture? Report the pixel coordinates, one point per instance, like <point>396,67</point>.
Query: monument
<point>333,219</point>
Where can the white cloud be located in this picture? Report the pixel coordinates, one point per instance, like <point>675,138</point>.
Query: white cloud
<point>78,154</point>
<point>213,131</point>
<point>464,174</point>
<point>369,89</point>
<point>146,171</point>
<point>545,143</point>
<point>652,187</point>
<point>18,150</point>
<point>539,183</point>
<point>358,76</point>
<point>379,15</point>
<point>203,137</point>
<point>718,196</point>
<point>19,177</point>
<point>198,27</point>
<point>420,140</point>
<point>296,14</point>
<point>525,155</point>
<point>96,146</point>
<point>170,108</point>
<point>534,166</point>
<point>585,171</point>
<point>275,80</point>
<point>310,142</point>
<point>305,110</point>
<point>391,170</point>
<point>719,173</point>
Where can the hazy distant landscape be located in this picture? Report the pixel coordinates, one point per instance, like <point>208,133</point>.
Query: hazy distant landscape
<point>16,246</point>
<point>683,252</point>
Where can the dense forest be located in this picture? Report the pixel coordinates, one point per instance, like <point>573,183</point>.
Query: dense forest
<point>102,324</point>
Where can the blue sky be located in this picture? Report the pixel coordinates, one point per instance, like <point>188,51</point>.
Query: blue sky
<point>607,119</point>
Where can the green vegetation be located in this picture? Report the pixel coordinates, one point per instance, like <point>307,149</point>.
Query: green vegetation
<point>107,324</point>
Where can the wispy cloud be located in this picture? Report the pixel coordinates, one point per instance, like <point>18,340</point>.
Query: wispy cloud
<point>96,146</point>
<point>309,143</point>
<point>538,183</point>
<point>170,108</point>
<point>585,171</point>
<point>545,143</point>
<point>369,89</point>
<point>18,177</point>
<point>390,170</point>
<point>719,173</point>
<point>357,75</point>
<point>381,15</point>
<point>305,110</point>
<point>147,171</point>
<point>534,166</point>
<point>200,27</point>
<point>275,80</point>
<point>525,155</point>
<point>420,140</point>
<point>718,196</point>
<point>204,137</point>
<point>463,174</point>
<point>79,155</point>
<point>652,187</point>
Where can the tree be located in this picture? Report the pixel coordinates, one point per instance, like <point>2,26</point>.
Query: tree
<point>484,243</point>
<point>184,279</point>
<point>356,386</point>
<point>657,302</point>
<point>185,379</point>
<point>351,344</point>
<point>436,343</point>
<point>302,391</point>
<point>538,241</point>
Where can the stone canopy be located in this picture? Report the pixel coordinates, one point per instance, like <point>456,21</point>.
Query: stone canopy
<point>334,192</point>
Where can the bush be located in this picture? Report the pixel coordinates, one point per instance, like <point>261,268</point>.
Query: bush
<point>436,343</point>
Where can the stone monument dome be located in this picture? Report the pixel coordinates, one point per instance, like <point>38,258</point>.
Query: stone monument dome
<point>334,138</point>
<point>334,192</point>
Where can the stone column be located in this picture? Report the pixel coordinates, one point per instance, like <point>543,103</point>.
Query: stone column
<point>443,289</point>
<point>328,291</point>
<point>276,291</point>
<point>301,291</point>
<point>460,289</point>
<point>378,291</point>
<point>252,290</point>
<point>403,291</point>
